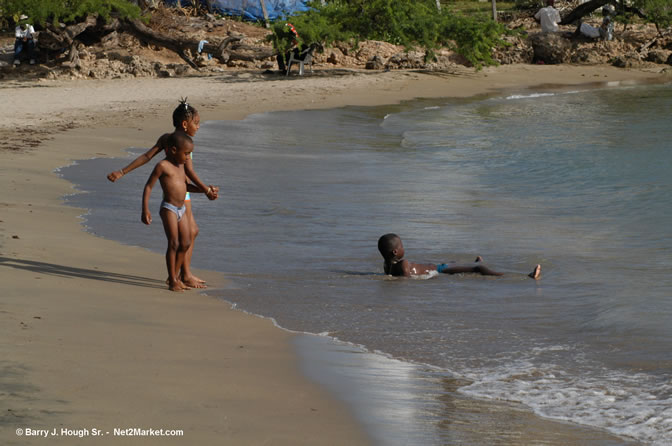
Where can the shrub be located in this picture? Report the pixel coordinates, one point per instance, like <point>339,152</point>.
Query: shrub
<point>658,12</point>
<point>67,11</point>
<point>401,22</point>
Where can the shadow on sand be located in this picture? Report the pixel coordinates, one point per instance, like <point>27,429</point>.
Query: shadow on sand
<point>82,273</point>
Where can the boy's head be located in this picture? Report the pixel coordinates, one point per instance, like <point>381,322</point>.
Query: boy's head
<point>390,247</point>
<point>550,2</point>
<point>186,118</point>
<point>180,146</point>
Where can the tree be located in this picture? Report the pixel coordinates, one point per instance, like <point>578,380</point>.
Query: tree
<point>658,12</point>
<point>401,22</point>
<point>42,12</point>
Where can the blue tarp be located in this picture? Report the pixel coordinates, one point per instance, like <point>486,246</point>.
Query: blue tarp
<point>251,9</point>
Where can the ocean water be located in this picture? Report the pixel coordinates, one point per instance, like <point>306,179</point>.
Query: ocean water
<point>577,180</point>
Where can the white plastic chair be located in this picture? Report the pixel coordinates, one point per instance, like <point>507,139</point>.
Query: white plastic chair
<point>302,58</point>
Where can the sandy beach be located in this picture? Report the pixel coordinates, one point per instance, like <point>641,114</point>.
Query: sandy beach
<point>91,338</point>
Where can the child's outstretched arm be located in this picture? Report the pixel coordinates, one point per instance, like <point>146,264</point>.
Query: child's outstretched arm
<point>146,216</point>
<point>139,161</point>
<point>212,192</point>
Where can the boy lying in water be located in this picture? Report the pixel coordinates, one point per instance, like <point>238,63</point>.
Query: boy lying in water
<point>392,250</point>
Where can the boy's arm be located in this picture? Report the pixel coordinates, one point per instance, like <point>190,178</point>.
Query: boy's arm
<point>210,191</point>
<point>139,161</point>
<point>196,189</point>
<point>146,216</point>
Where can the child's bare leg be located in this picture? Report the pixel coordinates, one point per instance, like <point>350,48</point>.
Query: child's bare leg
<point>536,272</point>
<point>478,268</point>
<point>184,234</point>
<point>187,277</point>
<point>485,271</point>
<point>170,226</point>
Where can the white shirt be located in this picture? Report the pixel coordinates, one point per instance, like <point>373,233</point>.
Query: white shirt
<point>549,18</point>
<point>20,32</point>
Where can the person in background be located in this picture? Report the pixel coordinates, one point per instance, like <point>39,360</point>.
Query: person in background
<point>605,31</point>
<point>548,17</point>
<point>25,42</point>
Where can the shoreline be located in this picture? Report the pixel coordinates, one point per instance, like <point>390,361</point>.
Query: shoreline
<point>92,337</point>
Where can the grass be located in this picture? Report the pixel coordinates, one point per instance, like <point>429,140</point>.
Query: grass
<point>478,7</point>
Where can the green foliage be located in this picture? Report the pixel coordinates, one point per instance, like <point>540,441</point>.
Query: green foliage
<point>401,22</point>
<point>532,5</point>
<point>658,12</point>
<point>64,11</point>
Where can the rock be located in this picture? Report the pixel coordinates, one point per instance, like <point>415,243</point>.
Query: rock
<point>411,59</point>
<point>166,73</point>
<point>619,61</point>
<point>370,48</point>
<point>375,63</point>
<point>111,40</point>
<point>335,56</point>
<point>658,56</point>
<point>589,55</point>
<point>140,67</point>
<point>551,48</point>
<point>202,60</point>
<point>627,60</point>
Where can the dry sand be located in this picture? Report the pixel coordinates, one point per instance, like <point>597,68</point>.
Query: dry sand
<point>89,336</point>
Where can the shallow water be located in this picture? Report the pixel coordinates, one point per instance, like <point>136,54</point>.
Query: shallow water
<point>579,181</point>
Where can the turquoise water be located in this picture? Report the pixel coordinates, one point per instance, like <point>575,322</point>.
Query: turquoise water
<point>579,181</point>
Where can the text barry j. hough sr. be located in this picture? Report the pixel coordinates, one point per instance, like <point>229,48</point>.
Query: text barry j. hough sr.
<point>94,432</point>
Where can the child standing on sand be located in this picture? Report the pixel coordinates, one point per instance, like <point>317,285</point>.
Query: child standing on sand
<point>171,174</point>
<point>186,120</point>
<point>392,250</point>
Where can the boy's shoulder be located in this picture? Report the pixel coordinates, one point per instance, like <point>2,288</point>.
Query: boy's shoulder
<point>165,166</point>
<point>398,268</point>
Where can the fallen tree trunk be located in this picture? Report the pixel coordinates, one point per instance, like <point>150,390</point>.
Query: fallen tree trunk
<point>583,10</point>
<point>66,39</point>
<point>55,39</point>
<point>227,49</point>
<point>587,8</point>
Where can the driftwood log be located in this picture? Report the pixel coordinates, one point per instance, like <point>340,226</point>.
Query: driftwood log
<point>67,38</point>
<point>227,49</point>
<point>583,10</point>
<point>586,8</point>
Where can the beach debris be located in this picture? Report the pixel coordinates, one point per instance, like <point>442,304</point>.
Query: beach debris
<point>551,48</point>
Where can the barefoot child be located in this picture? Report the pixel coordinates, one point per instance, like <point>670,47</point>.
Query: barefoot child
<point>186,120</point>
<point>392,250</point>
<point>170,173</point>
